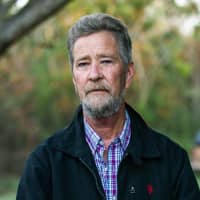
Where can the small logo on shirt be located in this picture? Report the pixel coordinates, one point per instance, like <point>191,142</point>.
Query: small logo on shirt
<point>132,190</point>
<point>149,189</point>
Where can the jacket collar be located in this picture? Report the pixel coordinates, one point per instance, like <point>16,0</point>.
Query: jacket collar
<point>143,143</point>
<point>71,140</point>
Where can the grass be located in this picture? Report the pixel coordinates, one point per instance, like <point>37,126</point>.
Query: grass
<point>9,196</point>
<point>8,188</point>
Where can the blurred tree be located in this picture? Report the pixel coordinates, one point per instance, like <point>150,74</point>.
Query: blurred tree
<point>194,93</point>
<point>36,90</point>
<point>16,21</point>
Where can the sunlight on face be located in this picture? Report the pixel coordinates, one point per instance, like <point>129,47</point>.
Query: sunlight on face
<point>98,74</point>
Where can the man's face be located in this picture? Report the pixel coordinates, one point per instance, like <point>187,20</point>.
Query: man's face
<point>99,76</point>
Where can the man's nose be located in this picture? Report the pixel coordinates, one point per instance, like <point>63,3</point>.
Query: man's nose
<point>95,72</point>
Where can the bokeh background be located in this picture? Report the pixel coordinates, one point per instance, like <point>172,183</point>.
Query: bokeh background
<point>36,92</point>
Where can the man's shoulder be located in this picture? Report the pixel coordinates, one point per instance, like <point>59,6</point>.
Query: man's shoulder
<point>58,136</point>
<point>152,137</point>
<point>55,140</point>
<point>166,144</point>
<point>65,139</point>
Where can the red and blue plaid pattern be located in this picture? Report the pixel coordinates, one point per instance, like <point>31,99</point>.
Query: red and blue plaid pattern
<point>108,168</point>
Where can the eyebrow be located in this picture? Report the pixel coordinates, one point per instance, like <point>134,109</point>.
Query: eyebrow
<point>102,55</point>
<point>82,58</point>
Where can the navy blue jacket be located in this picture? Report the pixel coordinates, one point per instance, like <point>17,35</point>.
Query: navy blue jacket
<point>63,168</point>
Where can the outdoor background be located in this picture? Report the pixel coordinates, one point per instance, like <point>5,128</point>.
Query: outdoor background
<point>36,92</point>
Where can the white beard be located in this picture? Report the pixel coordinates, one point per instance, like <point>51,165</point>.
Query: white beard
<point>105,105</point>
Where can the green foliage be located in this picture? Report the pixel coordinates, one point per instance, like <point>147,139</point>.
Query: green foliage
<point>36,91</point>
<point>8,188</point>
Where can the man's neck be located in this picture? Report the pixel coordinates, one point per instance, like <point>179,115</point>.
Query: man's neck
<point>108,128</point>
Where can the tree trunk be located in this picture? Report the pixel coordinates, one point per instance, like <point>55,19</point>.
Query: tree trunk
<point>18,25</point>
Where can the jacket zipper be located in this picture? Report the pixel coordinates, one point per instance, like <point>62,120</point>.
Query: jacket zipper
<point>125,155</point>
<point>97,185</point>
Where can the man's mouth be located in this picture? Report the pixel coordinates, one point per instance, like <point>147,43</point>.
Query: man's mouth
<point>96,91</point>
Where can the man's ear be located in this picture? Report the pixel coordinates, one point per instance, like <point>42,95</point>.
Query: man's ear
<point>129,75</point>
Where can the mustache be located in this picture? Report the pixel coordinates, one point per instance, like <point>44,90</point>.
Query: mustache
<point>94,87</point>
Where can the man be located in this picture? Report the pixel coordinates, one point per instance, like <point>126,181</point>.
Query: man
<point>108,152</point>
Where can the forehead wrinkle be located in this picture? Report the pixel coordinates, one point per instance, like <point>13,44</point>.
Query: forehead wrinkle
<point>82,58</point>
<point>81,52</point>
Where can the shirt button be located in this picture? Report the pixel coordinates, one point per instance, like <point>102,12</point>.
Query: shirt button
<point>132,190</point>
<point>114,198</point>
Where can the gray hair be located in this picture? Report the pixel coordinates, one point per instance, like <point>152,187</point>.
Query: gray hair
<point>101,22</point>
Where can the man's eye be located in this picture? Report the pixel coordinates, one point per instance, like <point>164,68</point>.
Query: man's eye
<point>82,64</point>
<point>107,61</point>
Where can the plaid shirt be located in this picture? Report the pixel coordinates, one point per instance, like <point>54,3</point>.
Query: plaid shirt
<point>108,169</point>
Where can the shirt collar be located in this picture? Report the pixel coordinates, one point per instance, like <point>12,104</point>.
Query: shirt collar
<point>93,139</point>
